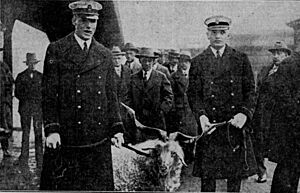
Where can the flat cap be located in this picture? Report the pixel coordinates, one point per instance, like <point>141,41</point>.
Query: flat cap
<point>218,22</point>
<point>87,8</point>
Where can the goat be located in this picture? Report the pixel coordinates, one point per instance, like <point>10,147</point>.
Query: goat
<point>160,170</point>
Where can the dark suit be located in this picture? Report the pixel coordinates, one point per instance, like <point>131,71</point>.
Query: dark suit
<point>123,83</point>
<point>134,65</point>
<point>151,100</point>
<point>80,103</point>
<point>29,93</point>
<point>6,85</point>
<point>276,122</point>
<point>219,89</point>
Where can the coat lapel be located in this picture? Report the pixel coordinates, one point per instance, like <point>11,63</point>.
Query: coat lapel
<point>152,79</point>
<point>138,80</point>
<point>93,59</point>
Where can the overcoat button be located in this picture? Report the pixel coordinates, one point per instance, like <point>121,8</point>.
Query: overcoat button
<point>213,108</point>
<point>232,107</point>
<point>79,107</point>
<point>231,81</point>
<point>232,94</point>
<point>79,123</point>
<point>99,123</point>
<point>78,91</point>
<point>214,121</point>
<point>99,108</point>
<point>211,82</point>
<point>99,92</point>
<point>78,76</point>
<point>99,77</point>
<point>212,96</point>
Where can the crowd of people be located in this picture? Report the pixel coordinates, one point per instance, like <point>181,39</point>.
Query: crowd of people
<point>213,94</point>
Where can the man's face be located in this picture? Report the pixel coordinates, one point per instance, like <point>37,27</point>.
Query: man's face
<point>84,27</point>
<point>217,38</point>
<point>31,66</point>
<point>117,60</point>
<point>130,54</point>
<point>147,63</point>
<point>279,56</point>
<point>184,64</point>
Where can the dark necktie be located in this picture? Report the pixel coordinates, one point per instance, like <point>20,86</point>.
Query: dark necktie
<point>145,78</point>
<point>85,48</point>
<point>218,54</point>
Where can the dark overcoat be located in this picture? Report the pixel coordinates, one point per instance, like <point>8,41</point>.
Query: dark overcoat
<point>79,103</point>
<point>219,89</point>
<point>29,92</point>
<point>6,86</point>
<point>123,83</point>
<point>151,101</point>
<point>181,114</point>
<point>276,121</point>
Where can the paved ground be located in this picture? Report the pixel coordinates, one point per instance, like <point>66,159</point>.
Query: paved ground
<point>13,177</point>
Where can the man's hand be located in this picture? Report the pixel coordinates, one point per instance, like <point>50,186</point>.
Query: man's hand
<point>205,124</point>
<point>53,140</point>
<point>238,120</point>
<point>117,140</point>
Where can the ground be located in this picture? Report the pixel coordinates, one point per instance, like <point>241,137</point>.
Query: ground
<point>12,177</point>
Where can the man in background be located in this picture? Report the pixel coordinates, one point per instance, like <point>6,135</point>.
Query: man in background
<point>6,126</point>
<point>29,93</point>
<point>132,62</point>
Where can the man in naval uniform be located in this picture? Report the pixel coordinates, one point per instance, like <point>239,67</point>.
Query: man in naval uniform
<point>221,88</point>
<point>80,108</point>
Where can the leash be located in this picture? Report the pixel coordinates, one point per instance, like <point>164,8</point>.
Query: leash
<point>140,152</point>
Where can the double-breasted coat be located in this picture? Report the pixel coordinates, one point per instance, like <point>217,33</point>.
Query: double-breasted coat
<point>276,119</point>
<point>181,114</point>
<point>80,103</point>
<point>219,89</point>
<point>151,101</point>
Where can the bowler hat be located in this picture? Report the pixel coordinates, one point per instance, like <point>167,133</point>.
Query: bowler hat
<point>185,55</point>
<point>147,52</point>
<point>31,58</point>
<point>130,46</point>
<point>87,8</point>
<point>218,22</point>
<point>116,51</point>
<point>280,46</point>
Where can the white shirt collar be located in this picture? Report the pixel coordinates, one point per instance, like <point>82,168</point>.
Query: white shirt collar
<point>221,51</point>
<point>148,73</point>
<point>81,41</point>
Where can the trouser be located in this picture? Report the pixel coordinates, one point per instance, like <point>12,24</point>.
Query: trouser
<point>285,179</point>
<point>4,144</point>
<point>37,125</point>
<point>261,168</point>
<point>209,185</point>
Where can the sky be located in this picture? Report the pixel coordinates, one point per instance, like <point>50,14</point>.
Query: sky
<point>171,24</point>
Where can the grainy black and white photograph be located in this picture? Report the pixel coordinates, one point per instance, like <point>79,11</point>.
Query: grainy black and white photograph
<point>152,95</point>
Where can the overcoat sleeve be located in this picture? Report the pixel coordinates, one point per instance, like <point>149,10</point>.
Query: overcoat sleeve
<point>114,117</point>
<point>248,86</point>
<point>195,89</point>
<point>50,89</point>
